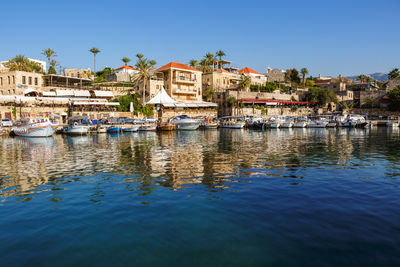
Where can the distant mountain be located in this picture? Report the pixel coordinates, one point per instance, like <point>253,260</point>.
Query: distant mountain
<point>378,76</point>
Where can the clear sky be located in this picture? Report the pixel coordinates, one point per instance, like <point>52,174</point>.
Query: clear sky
<point>328,37</point>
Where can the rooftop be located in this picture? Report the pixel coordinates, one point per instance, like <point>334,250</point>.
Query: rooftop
<point>249,71</point>
<point>126,67</point>
<point>176,65</point>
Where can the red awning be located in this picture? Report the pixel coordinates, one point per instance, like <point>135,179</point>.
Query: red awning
<point>253,100</point>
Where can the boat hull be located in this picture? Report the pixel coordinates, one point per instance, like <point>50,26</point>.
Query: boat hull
<point>114,130</point>
<point>300,125</point>
<point>76,130</point>
<point>233,126</point>
<point>35,131</point>
<point>131,129</point>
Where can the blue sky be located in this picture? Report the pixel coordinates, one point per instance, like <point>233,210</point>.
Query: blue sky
<point>327,37</point>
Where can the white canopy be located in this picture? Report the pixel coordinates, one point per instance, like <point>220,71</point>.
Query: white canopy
<point>29,90</point>
<point>161,98</point>
<point>103,93</point>
<point>81,93</point>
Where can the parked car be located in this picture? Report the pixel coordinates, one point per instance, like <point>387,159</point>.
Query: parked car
<point>6,123</point>
<point>150,119</point>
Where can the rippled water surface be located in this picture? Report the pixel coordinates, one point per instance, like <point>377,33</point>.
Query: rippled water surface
<point>310,197</point>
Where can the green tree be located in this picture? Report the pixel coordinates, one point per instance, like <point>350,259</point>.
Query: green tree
<point>244,82</point>
<point>321,96</point>
<point>365,78</point>
<point>126,60</point>
<point>394,74</point>
<point>194,63</point>
<point>101,75</point>
<point>146,70</point>
<point>95,51</point>
<point>52,67</point>
<point>21,63</point>
<point>292,76</point>
<point>220,54</point>
<point>394,98</point>
<point>304,72</point>
<point>48,53</point>
<point>210,59</point>
<point>208,94</point>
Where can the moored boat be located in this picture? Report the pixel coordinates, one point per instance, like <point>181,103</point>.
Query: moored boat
<point>130,129</point>
<point>35,127</point>
<point>184,122</point>
<point>77,125</point>
<point>165,126</point>
<point>233,122</point>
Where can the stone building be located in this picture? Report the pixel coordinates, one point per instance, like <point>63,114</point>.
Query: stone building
<point>181,82</point>
<point>275,75</point>
<point>220,80</point>
<point>79,73</point>
<point>19,82</point>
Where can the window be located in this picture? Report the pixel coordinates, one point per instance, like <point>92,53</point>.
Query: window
<point>9,80</point>
<point>1,80</point>
<point>13,77</point>
<point>23,80</point>
<point>30,80</point>
<point>36,81</point>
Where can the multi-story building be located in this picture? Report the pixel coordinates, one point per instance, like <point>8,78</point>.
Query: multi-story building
<point>256,78</point>
<point>19,82</point>
<point>181,82</point>
<point>221,80</point>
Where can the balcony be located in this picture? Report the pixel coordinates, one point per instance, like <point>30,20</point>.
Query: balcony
<point>184,92</point>
<point>183,79</point>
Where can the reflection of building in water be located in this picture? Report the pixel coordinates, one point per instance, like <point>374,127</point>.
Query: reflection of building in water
<point>173,159</point>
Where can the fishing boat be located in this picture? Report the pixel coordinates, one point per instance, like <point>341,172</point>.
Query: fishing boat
<point>148,127</point>
<point>35,127</point>
<point>208,123</point>
<point>77,125</point>
<point>184,122</point>
<point>165,126</point>
<point>113,129</point>
<point>101,129</point>
<point>232,122</point>
<point>318,122</point>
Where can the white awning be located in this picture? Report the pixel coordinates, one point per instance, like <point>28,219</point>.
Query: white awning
<point>103,93</point>
<point>96,103</point>
<point>180,105</point>
<point>29,90</point>
<point>49,93</point>
<point>64,92</point>
<point>54,99</point>
<point>191,105</point>
<point>161,98</point>
<point>169,105</point>
<point>82,93</point>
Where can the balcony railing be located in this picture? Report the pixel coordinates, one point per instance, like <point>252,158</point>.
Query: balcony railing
<point>184,80</point>
<point>180,91</point>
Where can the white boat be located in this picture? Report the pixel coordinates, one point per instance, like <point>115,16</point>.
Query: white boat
<point>77,125</point>
<point>392,124</point>
<point>287,123</point>
<point>184,122</point>
<point>148,127</point>
<point>275,122</point>
<point>130,129</point>
<point>300,122</point>
<point>232,122</point>
<point>35,127</point>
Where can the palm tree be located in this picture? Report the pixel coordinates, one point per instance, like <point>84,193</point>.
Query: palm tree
<point>21,63</point>
<point>394,74</point>
<point>211,60</point>
<point>204,65</point>
<point>126,60</point>
<point>49,53</point>
<point>52,67</point>
<point>194,63</point>
<point>146,70</point>
<point>304,72</point>
<point>244,82</point>
<point>95,51</point>
<point>220,54</point>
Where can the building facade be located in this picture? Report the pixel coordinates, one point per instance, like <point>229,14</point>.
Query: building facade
<point>19,82</point>
<point>181,82</point>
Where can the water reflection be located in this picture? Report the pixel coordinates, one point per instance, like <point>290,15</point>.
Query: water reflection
<point>180,159</point>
